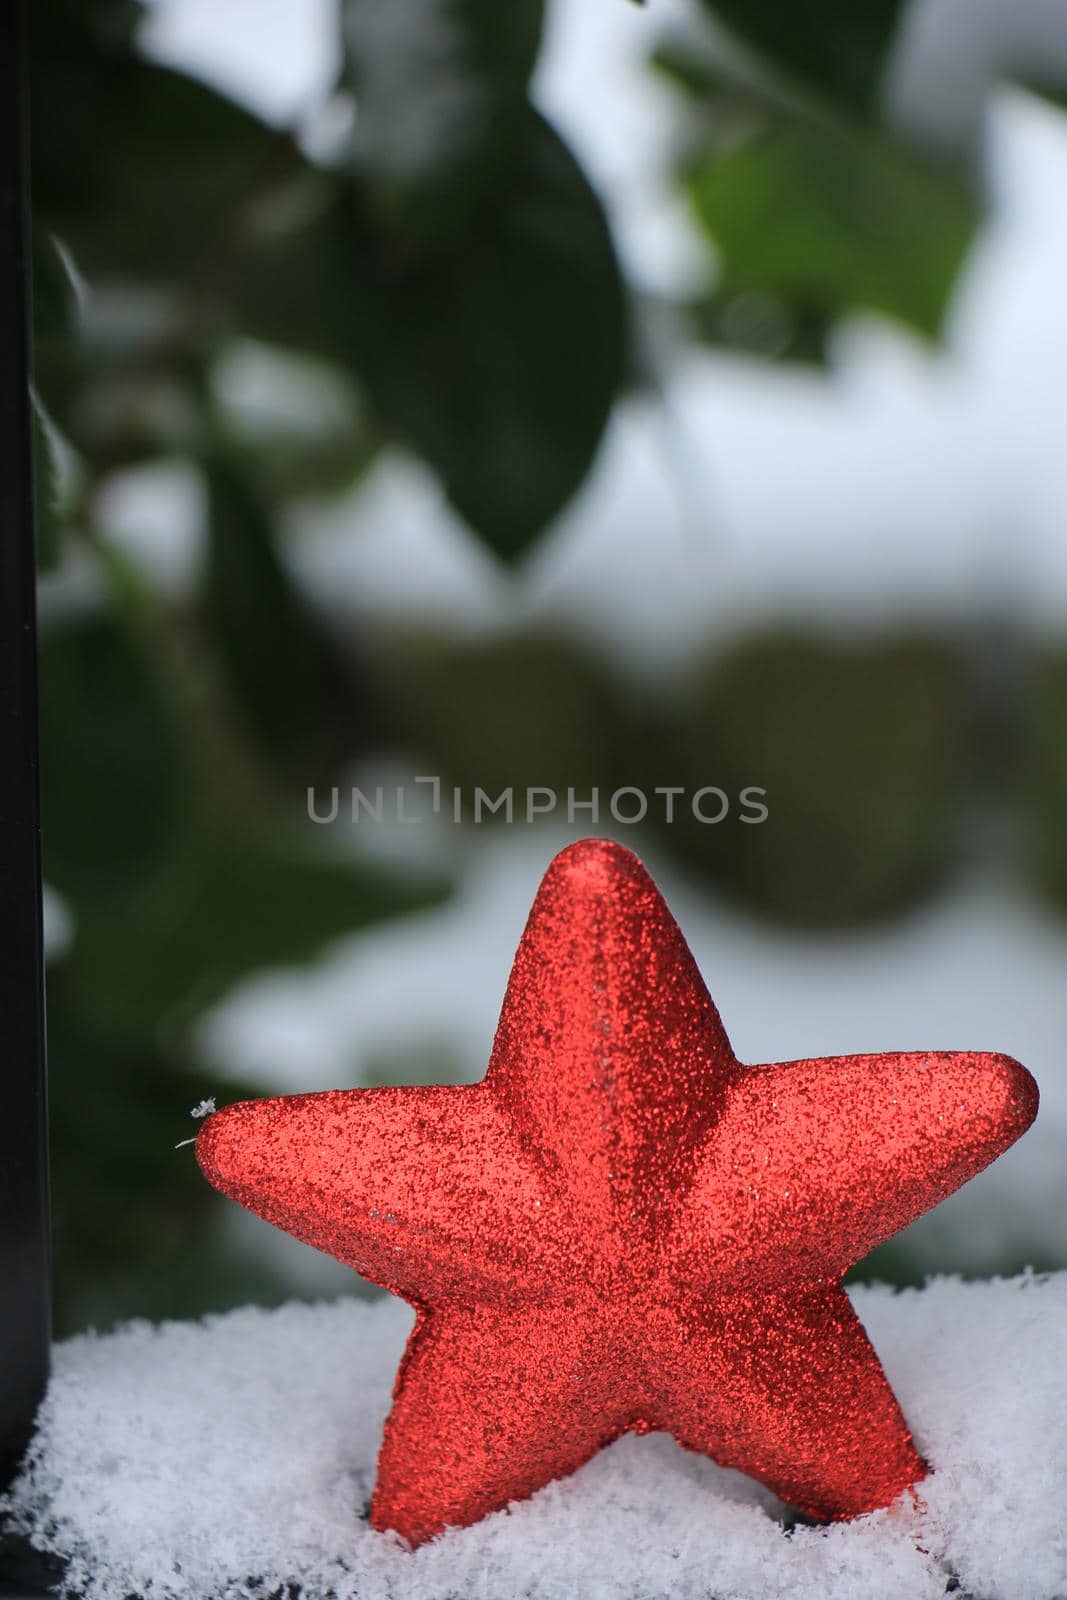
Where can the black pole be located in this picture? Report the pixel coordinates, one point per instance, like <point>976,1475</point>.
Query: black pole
<point>24,1256</point>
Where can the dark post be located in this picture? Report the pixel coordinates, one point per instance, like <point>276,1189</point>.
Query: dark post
<point>24,1264</point>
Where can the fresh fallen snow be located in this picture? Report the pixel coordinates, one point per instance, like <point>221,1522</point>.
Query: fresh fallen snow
<point>233,1456</point>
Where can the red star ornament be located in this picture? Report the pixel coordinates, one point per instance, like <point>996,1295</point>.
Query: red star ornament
<point>621,1227</point>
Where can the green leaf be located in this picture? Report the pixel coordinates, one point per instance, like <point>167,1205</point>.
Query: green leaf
<point>830,219</point>
<point>233,903</point>
<point>441,103</point>
<point>145,171</point>
<point>75,57</point>
<point>1043,87</point>
<point>135,1228</point>
<point>299,695</point>
<point>762,326</point>
<point>861,750</point>
<point>695,68</point>
<point>523,710</point>
<point>497,355</point>
<point>839,47</point>
<point>498,358</point>
<point>288,290</point>
<point>114,775</point>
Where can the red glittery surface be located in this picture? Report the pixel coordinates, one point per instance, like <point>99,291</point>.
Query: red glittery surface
<point>622,1227</point>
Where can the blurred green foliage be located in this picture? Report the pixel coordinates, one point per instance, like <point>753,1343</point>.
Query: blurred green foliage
<point>498,354</point>
<point>823,219</point>
<point>113,757</point>
<point>832,46</point>
<point>133,1230</point>
<point>814,202</point>
<point>863,746</point>
<point>431,158</point>
<point>486,325</point>
<point>525,710</point>
<point>428,279</point>
<point>443,270</point>
<point>278,660</point>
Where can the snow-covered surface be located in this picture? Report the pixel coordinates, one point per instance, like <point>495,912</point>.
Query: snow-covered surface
<point>236,1456</point>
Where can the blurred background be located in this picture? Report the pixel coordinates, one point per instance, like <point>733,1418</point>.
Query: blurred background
<point>566,396</point>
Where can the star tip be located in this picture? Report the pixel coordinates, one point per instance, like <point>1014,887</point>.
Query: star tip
<point>1005,1094</point>
<point>595,862</point>
<point>1022,1092</point>
<point>211,1140</point>
<point>205,1143</point>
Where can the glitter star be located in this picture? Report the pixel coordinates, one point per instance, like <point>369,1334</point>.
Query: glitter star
<point>621,1227</point>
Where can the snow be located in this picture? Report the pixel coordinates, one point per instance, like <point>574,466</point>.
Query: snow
<point>205,1108</point>
<point>231,1457</point>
